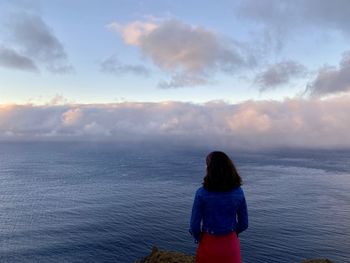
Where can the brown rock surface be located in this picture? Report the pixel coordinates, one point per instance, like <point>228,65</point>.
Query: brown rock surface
<point>162,256</point>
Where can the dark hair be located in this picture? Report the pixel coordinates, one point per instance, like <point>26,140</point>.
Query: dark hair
<point>221,173</point>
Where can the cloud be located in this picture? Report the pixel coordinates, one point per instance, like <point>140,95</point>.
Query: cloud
<point>112,65</point>
<point>186,52</point>
<point>58,99</point>
<point>279,74</point>
<point>184,79</point>
<point>11,59</point>
<point>283,19</point>
<point>32,37</point>
<point>71,116</point>
<point>133,31</point>
<point>330,14</point>
<point>300,13</point>
<point>313,123</point>
<point>330,80</point>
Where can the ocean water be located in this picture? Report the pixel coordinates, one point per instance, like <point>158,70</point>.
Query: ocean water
<point>99,202</point>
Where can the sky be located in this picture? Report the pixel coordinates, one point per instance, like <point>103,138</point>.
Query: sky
<point>266,73</point>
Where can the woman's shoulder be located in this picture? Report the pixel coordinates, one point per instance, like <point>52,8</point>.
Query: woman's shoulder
<point>203,191</point>
<point>238,191</point>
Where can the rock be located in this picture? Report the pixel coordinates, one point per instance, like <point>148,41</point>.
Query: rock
<point>163,256</point>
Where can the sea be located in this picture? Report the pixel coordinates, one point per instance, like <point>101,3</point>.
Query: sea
<point>110,202</point>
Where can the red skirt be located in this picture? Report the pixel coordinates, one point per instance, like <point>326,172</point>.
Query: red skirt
<point>223,249</point>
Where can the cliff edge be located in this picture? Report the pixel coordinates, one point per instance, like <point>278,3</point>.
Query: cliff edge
<point>163,256</point>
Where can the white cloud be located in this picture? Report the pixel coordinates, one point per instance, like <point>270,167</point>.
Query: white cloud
<point>295,122</point>
<point>184,79</point>
<point>58,99</point>
<point>184,50</point>
<point>95,129</point>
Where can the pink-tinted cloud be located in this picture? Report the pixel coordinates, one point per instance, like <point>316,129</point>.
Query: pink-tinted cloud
<point>188,53</point>
<point>253,124</point>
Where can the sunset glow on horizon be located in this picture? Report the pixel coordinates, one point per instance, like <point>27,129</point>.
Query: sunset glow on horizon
<point>266,73</point>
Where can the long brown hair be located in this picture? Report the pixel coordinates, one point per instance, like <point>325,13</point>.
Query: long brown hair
<point>221,174</point>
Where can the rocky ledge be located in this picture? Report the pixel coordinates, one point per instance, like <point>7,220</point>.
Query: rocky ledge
<point>163,256</point>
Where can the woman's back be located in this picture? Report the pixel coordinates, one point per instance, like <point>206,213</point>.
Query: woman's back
<point>219,212</point>
<point>221,209</point>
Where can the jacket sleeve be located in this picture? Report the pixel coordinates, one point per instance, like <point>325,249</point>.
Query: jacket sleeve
<point>242,217</point>
<point>196,217</point>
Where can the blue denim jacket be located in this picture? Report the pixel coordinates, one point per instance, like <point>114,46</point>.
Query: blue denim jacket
<point>218,213</point>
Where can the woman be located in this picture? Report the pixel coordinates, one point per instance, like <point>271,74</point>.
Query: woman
<point>219,212</point>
